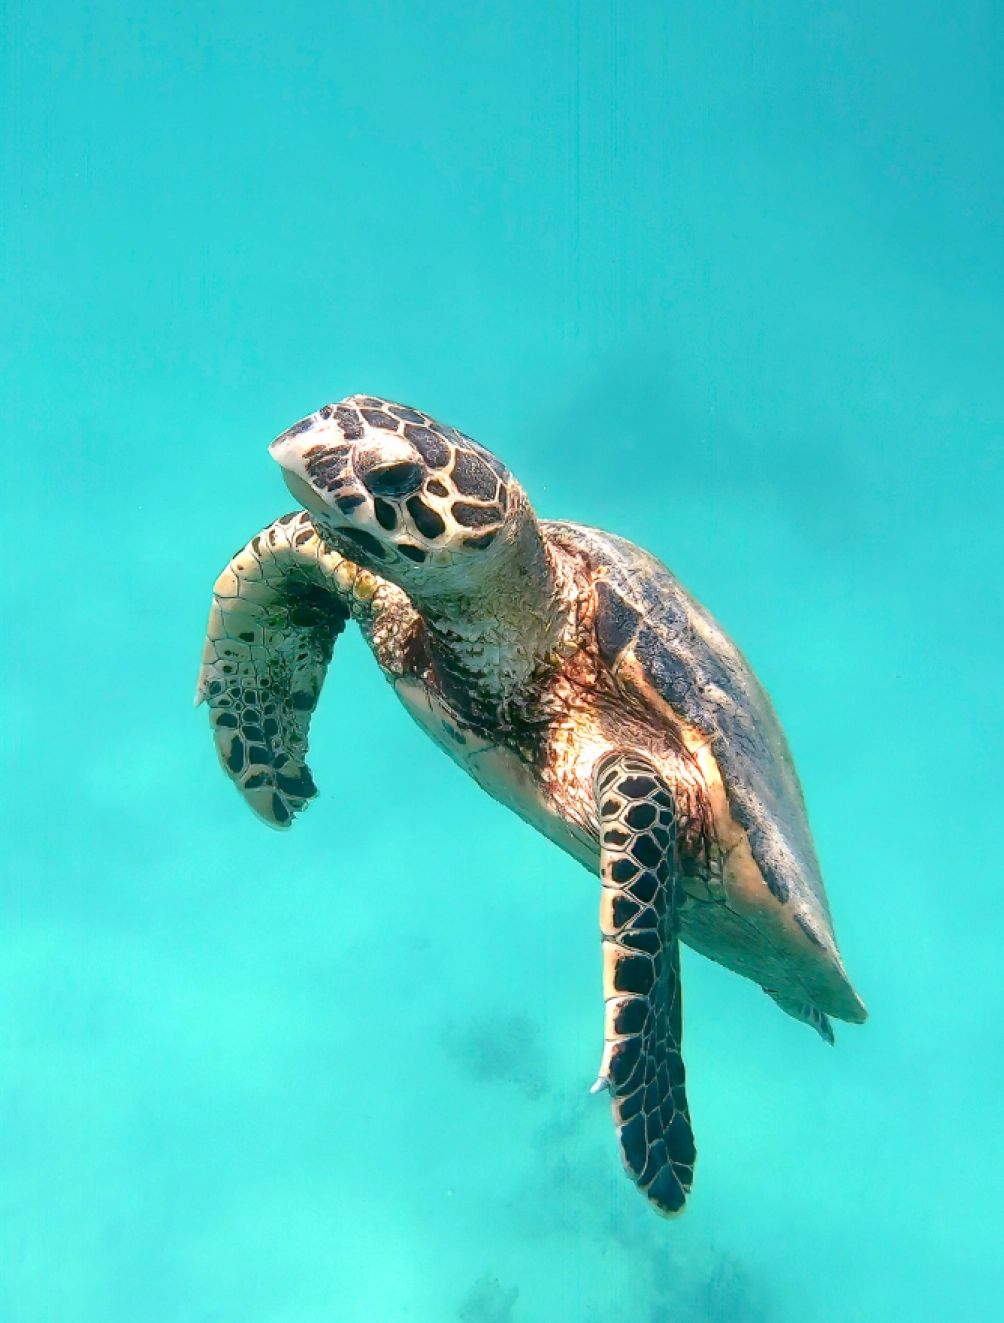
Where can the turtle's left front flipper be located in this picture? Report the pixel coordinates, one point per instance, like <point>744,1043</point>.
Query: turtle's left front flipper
<point>642,1060</point>
<point>278,607</point>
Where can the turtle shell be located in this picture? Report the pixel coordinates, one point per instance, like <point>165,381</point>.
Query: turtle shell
<point>691,663</point>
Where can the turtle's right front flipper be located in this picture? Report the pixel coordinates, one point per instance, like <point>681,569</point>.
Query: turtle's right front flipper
<point>278,608</point>
<point>642,1057</point>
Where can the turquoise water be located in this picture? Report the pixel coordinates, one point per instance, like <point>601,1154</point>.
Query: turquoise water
<point>723,279</point>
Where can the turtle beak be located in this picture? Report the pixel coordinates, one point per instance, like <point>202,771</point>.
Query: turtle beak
<point>289,450</point>
<point>304,494</point>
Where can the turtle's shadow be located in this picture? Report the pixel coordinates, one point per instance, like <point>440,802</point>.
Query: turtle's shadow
<point>500,1048</point>
<point>488,1301</point>
<point>712,1287</point>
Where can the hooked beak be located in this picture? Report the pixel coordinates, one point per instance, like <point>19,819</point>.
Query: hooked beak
<point>304,494</point>
<point>288,451</point>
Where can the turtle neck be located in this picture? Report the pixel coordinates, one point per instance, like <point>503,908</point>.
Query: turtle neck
<point>489,637</point>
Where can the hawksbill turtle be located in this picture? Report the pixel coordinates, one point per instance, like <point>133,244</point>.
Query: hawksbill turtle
<point>575,679</point>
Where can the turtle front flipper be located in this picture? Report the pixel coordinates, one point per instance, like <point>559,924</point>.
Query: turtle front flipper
<point>278,607</point>
<point>642,1062</point>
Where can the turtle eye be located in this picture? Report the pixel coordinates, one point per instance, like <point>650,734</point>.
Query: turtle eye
<point>393,479</point>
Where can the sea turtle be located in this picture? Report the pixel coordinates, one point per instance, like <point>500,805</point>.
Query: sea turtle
<point>574,678</point>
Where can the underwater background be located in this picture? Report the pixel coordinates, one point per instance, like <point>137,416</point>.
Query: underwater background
<point>724,279</point>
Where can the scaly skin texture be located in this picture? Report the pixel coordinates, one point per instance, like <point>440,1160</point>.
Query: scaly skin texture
<point>277,610</point>
<point>571,675</point>
<point>639,918</point>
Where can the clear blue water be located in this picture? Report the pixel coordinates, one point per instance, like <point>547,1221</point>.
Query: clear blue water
<point>723,279</point>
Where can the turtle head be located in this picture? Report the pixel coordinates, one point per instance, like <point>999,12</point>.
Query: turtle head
<point>417,503</point>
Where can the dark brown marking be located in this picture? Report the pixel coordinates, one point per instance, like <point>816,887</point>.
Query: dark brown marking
<point>616,623</point>
<point>472,477</point>
<point>642,939</point>
<point>348,423</point>
<point>480,543</point>
<point>633,1144</point>
<point>301,785</point>
<point>364,540</point>
<point>636,787</point>
<point>476,516</point>
<point>624,1059</point>
<point>406,414</point>
<point>623,870</point>
<point>386,515</point>
<point>624,910</point>
<point>631,1016</point>
<point>634,974</point>
<point>680,1140</point>
<point>640,816</point>
<point>304,425</point>
<point>666,1191</point>
<point>377,418</point>
<point>646,851</point>
<point>432,448</point>
<point>645,888</point>
<point>426,520</point>
<point>632,1103</point>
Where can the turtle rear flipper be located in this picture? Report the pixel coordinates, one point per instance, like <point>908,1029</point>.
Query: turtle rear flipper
<point>806,1012</point>
<point>642,1057</point>
<point>278,608</point>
